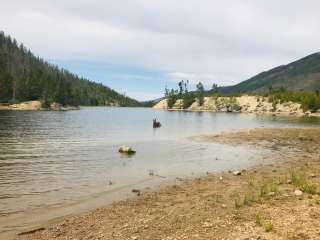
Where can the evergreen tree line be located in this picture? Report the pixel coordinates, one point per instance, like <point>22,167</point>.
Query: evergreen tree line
<point>25,77</point>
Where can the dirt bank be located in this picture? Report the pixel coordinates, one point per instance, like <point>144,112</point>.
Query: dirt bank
<point>279,201</point>
<point>36,106</point>
<point>30,105</point>
<point>243,104</point>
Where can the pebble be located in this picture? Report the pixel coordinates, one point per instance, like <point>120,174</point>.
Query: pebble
<point>298,192</point>
<point>236,173</point>
<point>207,225</point>
<point>271,194</point>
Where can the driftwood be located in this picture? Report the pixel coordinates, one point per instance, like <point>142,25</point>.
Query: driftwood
<point>31,231</point>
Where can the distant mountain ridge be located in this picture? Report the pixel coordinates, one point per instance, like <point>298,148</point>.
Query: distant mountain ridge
<point>25,77</point>
<point>303,74</point>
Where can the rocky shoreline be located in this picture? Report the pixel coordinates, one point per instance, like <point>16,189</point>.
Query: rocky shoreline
<point>36,106</point>
<point>243,104</point>
<point>275,201</point>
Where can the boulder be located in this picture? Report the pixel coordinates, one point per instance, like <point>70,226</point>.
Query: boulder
<point>126,150</point>
<point>233,108</point>
<point>55,106</point>
<point>236,173</point>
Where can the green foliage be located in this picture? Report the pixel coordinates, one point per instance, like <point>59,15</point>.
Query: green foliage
<point>25,77</point>
<point>200,93</point>
<point>224,101</point>
<point>182,93</point>
<point>256,192</point>
<point>188,99</point>
<point>259,219</point>
<point>171,96</point>
<point>299,179</point>
<point>268,226</point>
<point>237,200</point>
<point>214,88</point>
<point>309,100</point>
<point>219,94</point>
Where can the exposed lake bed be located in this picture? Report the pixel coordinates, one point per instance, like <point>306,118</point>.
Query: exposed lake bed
<point>279,200</point>
<point>66,160</point>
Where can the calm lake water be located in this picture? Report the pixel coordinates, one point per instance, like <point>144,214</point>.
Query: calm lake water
<point>58,160</point>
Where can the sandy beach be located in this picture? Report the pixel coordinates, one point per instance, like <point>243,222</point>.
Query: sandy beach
<point>277,201</point>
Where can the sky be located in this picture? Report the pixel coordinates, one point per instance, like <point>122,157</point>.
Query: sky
<point>138,47</point>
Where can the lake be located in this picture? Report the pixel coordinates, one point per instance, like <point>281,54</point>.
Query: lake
<point>59,163</point>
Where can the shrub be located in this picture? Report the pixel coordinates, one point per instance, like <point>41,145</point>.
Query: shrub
<point>188,99</point>
<point>309,100</point>
<point>237,200</point>
<point>268,227</point>
<point>259,219</point>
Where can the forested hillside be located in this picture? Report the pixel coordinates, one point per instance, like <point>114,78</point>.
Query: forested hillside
<point>303,74</point>
<point>24,77</point>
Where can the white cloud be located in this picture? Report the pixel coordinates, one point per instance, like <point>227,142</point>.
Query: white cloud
<point>208,40</point>
<point>194,78</point>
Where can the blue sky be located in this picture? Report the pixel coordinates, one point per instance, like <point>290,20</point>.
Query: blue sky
<point>139,46</point>
<point>136,82</point>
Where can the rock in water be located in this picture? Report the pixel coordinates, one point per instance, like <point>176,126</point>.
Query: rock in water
<point>126,150</point>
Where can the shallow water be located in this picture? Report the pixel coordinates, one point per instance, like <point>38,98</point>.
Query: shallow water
<point>57,159</point>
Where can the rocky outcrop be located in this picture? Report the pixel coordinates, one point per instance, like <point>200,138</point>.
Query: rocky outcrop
<point>245,104</point>
<point>163,104</point>
<point>36,106</point>
<point>28,106</point>
<point>178,104</point>
<point>58,107</point>
<point>112,103</point>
